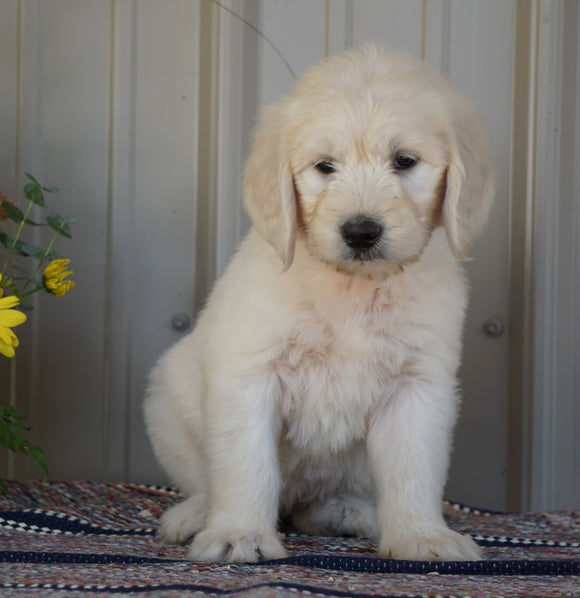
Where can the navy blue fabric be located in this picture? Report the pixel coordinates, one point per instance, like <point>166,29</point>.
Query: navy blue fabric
<point>38,521</point>
<point>50,523</point>
<point>214,591</point>
<point>376,565</point>
<point>76,558</point>
<point>334,563</point>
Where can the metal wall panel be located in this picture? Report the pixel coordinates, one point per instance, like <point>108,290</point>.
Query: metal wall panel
<point>140,111</point>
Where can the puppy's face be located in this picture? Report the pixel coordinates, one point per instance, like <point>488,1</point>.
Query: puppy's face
<point>364,159</point>
<point>369,182</point>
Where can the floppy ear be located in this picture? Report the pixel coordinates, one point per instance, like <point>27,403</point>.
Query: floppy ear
<point>470,179</point>
<point>269,187</point>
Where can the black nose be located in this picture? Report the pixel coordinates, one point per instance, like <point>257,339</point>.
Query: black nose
<point>361,233</point>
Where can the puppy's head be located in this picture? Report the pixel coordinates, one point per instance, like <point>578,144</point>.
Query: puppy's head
<point>364,159</point>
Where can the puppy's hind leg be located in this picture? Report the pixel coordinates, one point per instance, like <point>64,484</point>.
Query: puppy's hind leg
<point>183,462</point>
<point>176,445</point>
<point>180,523</point>
<point>338,516</point>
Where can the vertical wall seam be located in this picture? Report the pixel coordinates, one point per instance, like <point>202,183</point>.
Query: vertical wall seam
<point>207,182</point>
<point>130,232</point>
<point>445,37</point>
<point>226,134</point>
<point>34,387</point>
<point>12,388</point>
<point>109,236</point>
<point>424,32</point>
<point>522,157</point>
<point>546,393</point>
<point>529,336</point>
<point>576,216</point>
<point>27,65</point>
<point>576,191</point>
<point>238,76</point>
<point>545,202</point>
<point>18,119</point>
<point>556,101</point>
<point>327,21</point>
<point>349,24</point>
<point>196,67</point>
<point>570,68</point>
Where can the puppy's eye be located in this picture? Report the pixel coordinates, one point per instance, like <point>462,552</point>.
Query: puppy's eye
<point>404,162</point>
<point>324,167</point>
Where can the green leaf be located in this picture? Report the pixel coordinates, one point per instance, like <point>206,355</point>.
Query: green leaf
<point>33,192</point>
<point>37,183</point>
<point>16,248</point>
<point>59,224</point>
<point>10,411</point>
<point>51,189</point>
<point>38,455</point>
<point>53,255</point>
<point>16,214</point>
<point>32,251</point>
<point>32,178</point>
<point>18,427</point>
<point>12,436</point>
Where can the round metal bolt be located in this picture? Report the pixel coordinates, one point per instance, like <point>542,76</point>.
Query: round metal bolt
<point>180,322</point>
<point>493,327</point>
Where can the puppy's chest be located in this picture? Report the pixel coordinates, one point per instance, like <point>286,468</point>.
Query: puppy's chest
<point>330,373</point>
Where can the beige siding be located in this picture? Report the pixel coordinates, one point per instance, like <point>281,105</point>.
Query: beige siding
<point>140,111</point>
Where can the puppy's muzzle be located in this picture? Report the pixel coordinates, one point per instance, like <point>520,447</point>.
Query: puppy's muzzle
<point>362,235</point>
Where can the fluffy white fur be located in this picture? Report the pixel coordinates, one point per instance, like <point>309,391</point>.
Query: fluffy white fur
<point>319,383</point>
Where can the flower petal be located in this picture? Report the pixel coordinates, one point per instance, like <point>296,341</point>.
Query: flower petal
<point>12,318</point>
<point>55,267</point>
<point>6,350</point>
<point>5,335</point>
<point>9,302</point>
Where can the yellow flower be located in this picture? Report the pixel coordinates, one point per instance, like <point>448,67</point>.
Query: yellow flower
<point>9,317</point>
<point>54,275</point>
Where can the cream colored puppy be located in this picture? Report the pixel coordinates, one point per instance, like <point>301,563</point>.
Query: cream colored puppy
<point>319,384</point>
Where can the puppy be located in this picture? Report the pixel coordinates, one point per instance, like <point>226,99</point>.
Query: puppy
<point>319,384</point>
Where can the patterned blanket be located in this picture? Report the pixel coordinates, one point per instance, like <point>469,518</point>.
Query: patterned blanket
<point>69,539</point>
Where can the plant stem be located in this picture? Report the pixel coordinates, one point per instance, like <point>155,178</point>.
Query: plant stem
<point>20,227</point>
<point>40,262</point>
<point>257,32</point>
<point>34,290</point>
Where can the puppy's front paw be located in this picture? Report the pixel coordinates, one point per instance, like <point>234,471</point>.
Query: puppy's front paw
<point>236,546</point>
<point>432,545</point>
<point>181,522</point>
